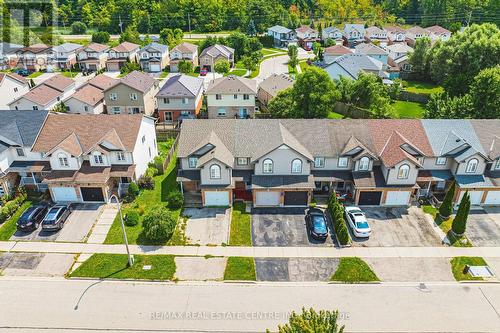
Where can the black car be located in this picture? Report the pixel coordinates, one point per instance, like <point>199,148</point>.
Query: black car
<point>31,218</point>
<point>55,218</point>
<point>316,223</point>
<point>23,72</point>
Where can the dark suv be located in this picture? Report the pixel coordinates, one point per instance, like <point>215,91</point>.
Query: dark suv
<point>55,218</point>
<point>31,218</point>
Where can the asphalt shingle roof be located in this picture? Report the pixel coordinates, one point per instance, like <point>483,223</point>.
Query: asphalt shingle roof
<point>20,127</point>
<point>181,86</point>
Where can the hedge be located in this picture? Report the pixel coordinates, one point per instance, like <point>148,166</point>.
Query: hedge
<point>336,211</point>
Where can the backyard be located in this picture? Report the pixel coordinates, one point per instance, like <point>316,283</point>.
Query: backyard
<point>419,87</point>
<point>409,109</point>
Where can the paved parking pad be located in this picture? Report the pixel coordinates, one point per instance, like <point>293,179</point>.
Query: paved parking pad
<point>207,226</point>
<point>35,264</point>
<point>398,226</point>
<point>282,227</point>
<point>295,269</point>
<point>411,269</point>
<point>199,268</point>
<point>483,227</point>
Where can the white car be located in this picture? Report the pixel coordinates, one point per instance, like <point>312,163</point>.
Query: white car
<point>357,220</point>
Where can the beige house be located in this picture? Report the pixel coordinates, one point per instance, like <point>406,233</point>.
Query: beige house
<point>135,93</point>
<point>119,55</point>
<point>271,86</point>
<point>89,99</point>
<point>183,51</point>
<point>231,97</point>
<point>93,57</point>
<point>214,53</point>
<point>12,87</point>
<point>34,57</point>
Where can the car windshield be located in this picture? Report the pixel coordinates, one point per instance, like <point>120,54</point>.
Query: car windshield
<point>52,214</point>
<point>319,223</point>
<point>362,225</point>
<point>27,215</point>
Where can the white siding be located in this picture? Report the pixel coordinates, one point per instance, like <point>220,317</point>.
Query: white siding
<point>8,95</point>
<point>225,174</point>
<point>73,162</point>
<point>229,100</point>
<point>282,160</point>
<point>145,152</point>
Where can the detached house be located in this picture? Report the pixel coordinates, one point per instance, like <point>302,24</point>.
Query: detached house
<point>181,97</point>
<point>282,36</point>
<point>414,33</point>
<point>375,34</point>
<point>8,57</point>
<point>395,34</point>
<point>12,87</point>
<point>372,51</point>
<point>119,55</point>
<point>34,58</point>
<point>307,36</point>
<point>437,32</point>
<point>332,33</point>
<point>354,33</point>
<point>231,97</point>
<point>90,97</point>
<point>134,93</point>
<point>351,65</point>
<point>64,56</point>
<point>18,164</point>
<point>214,53</point>
<point>333,52</point>
<point>183,51</point>
<point>154,57</point>
<point>94,156</point>
<point>398,59</point>
<point>271,86</point>
<point>93,57</point>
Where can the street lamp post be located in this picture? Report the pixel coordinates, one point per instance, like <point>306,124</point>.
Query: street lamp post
<point>130,257</point>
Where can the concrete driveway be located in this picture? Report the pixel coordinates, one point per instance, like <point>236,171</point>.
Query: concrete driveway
<point>207,226</point>
<point>35,264</point>
<point>76,228</point>
<point>483,226</point>
<point>411,269</point>
<point>282,227</point>
<point>397,226</point>
<point>295,269</point>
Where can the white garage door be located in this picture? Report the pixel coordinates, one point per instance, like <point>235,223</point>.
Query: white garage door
<point>216,198</point>
<point>397,198</point>
<point>492,198</point>
<point>475,197</point>
<point>64,194</point>
<point>155,68</point>
<point>267,198</point>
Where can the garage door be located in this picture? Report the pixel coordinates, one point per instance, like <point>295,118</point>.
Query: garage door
<point>267,198</point>
<point>475,197</point>
<point>216,198</point>
<point>397,198</point>
<point>293,198</point>
<point>369,198</point>
<point>64,194</point>
<point>92,194</point>
<point>492,198</point>
<point>155,67</point>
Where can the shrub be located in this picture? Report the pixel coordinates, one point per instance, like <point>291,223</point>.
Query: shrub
<point>10,207</point>
<point>460,221</point>
<point>146,182</point>
<point>267,41</point>
<point>151,171</point>
<point>336,211</point>
<point>158,164</point>
<point>133,190</point>
<point>78,28</point>
<point>158,224</point>
<point>132,218</point>
<point>446,208</point>
<point>101,37</point>
<point>175,199</point>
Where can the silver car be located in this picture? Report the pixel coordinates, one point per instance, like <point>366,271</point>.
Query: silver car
<point>358,222</point>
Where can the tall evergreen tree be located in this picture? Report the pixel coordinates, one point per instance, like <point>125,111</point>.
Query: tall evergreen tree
<point>460,222</point>
<point>446,208</point>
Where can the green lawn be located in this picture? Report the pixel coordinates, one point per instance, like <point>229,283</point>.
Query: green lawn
<point>267,51</point>
<point>70,75</point>
<point>237,72</point>
<point>335,115</point>
<point>164,74</point>
<point>445,226</point>
<point>303,65</point>
<point>422,87</point>
<point>147,199</point>
<point>8,228</point>
<point>34,75</point>
<point>240,268</point>
<point>352,270</point>
<point>164,146</point>
<point>116,266</point>
<point>409,109</point>
<point>458,265</point>
<point>241,226</point>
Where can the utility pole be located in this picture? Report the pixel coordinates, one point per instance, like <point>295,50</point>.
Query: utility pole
<point>189,25</point>
<point>120,24</point>
<point>470,17</point>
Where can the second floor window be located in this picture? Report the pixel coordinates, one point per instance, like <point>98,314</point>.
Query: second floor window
<point>218,96</point>
<point>297,166</point>
<point>235,96</point>
<point>166,100</point>
<point>133,96</point>
<point>246,96</point>
<point>185,101</point>
<point>35,107</point>
<point>63,160</point>
<point>98,159</point>
<point>364,164</point>
<point>497,164</point>
<point>120,156</point>
<point>20,152</point>
<point>267,166</point>
<point>319,162</point>
<point>193,162</point>
<point>472,165</point>
<point>242,161</point>
<point>404,171</point>
<point>215,172</point>
<point>440,160</point>
<point>113,96</point>
<point>343,162</point>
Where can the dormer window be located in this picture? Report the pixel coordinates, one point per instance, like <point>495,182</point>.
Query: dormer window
<point>63,160</point>
<point>98,158</point>
<point>319,162</point>
<point>364,164</point>
<point>267,166</point>
<point>472,165</point>
<point>20,152</point>
<point>214,171</point>
<point>296,166</point>
<point>343,162</point>
<point>242,161</point>
<point>404,171</point>
<point>440,160</point>
<point>193,162</point>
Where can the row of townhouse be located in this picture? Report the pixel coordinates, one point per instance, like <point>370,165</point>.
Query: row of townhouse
<point>78,158</point>
<point>288,162</point>
<point>153,57</point>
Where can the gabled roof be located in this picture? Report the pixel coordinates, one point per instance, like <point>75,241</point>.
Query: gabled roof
<point>337,50</point>
<point>109,142</point>
<point>58,82</point>
<point>358,27</point>
<point>354,147</point>
<point>186,48</point>
<point>217,50</point>
<point>374,30</point>
<point>162,48</point>
<point>393,152</point>
<point>275,83</point>
<point>88,94</point>
<point>181,86</point>
<point>488,133</point>
<point>305,28</point>
<point>367,48</point>
<point>20,128</point>
<point>399,48</point>
<point>102,81</point>
<point>218,152</point>
<point>40,95</point>
<point>354,64</point>
<point>232,84</point>
<point>14,76</point>
<point>328,30</point>
<point>417,30</point>
<point>96,47</point>
<point>126,47</point>
<point>280,29</point>
<point>35,48</point>
<point>438,30</point>
<point>136,80</point>
<point>394,29</point>
<point>70,144</point>
<point>67,47</point>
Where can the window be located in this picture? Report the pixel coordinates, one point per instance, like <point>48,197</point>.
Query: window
<point>343,161</point>
<point>267,166</point>
<point>296,166</point>
<point>63,160</point>
<point>319,162</point>
<point>472,165</point>
<point>35,107</point>
<point>20,152</point>
<point>246,97</point>
<point>242,161</point>
<point>120,156</point>
<point>235,96</point>
<point>143,139</point>
<point>16,107</point>
<point>98,158</point>
<point>86,108</point>
<point>221,112</point>
<point>166,100</point>
<point>113,96</point>
<point>116,110</point>
<point>136,110</point>
<point>214,171</point>
<point>440,160</point>
<point>218,96</point>
<point>497,164</point>
<point>185,101</point>
<point>15,89</point>
<point>404,171</point>
<point>185,113</point>
<point>193,162</point>
<point>133,96</point>
<point>364,164</point>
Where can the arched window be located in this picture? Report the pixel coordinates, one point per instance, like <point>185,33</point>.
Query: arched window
<point>63,160</point>
<point>98,158</point>
<point>267,166</point>
<point>364,163</point>
<point>214,171</point>
<point>404,171</point>
<point>472,165</point>
<point>296,166</point>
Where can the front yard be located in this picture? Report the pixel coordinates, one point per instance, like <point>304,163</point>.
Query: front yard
<point>458,265</point>
<point>240,268</point>
<point>9,227</point>
<point>445,226</point>
<point>241,226</point>
<point>353,270</point>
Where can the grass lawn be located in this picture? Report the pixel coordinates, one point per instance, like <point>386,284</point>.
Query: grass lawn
<point>147,199</point>
<point>422,87</point>
<point>303,65</point>
<point>164,146</point>
<point>34,75</point>
<point>8,228</point>
<point>335,115</point>
<point>237,72</point>
<point>70,75</point>
<point>352,270</point>
<point>446,227</point>
<point>241,226</point>
<point>240,268</point>
<point>409,109</point>
<point>115,266</point>
<point>164,74</point>
<point>458,265</point>
<point>268,51</point>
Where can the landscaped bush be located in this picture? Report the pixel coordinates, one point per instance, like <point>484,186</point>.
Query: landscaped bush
<point>446,208</point>
<point>336,211</point>
<point>151,171</point>
<point>10,207</point>
<point>146,182</point>
<point>101,37</point>
<point>132,218</point>
<point>133,190</point>
<point>78,28</point>
<point>158,164</point>
<point>158,224</point>
<point>175,199</point>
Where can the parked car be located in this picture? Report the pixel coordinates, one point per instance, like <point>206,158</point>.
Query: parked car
<point>31,218</point>
<point>203,72</point>
<point>55,218</point>
<point>358,222</point>
<point>23,72</point>
<point>316,224</point>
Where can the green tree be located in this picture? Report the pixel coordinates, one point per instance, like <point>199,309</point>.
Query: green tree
<point>130,35</point>
<point>158,224</point>
<point>249,62</point>
<point>459,223</point>
<point>283,105</point>
<point>293,54</point>
<point>222,66</point>
<point>146,41</point>
<point>485,94</point>
<point>419,58</point>
<point>101,37</point>
<point>130,67</point>
<point>60,107</point>
<point>185,67</point>
<point>78,28</point>
<point>441,105</point>
<point>313,322</point>
<point>251,30</point>
<point>446,208</point>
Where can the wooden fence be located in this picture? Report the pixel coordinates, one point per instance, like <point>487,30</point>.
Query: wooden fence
<point>351,111</point>
<point>170,154</point>
<point>413,97</point>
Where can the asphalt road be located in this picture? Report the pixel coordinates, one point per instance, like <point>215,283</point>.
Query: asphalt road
<point>33,305</point>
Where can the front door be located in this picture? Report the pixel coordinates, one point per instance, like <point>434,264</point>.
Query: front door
<point>243,113</point>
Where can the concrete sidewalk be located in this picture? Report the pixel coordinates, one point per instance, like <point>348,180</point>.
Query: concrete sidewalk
<point>101,228</point>
<point>260,251</point>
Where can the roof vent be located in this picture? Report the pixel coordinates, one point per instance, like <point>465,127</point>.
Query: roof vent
<point>458,140</point>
